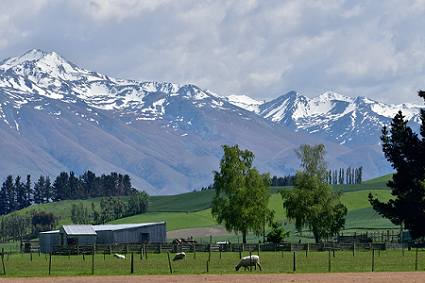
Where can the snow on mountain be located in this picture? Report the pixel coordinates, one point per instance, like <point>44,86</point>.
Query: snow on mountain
<point>245,102</point>
<point>333,117</point>
<point>166,136</point>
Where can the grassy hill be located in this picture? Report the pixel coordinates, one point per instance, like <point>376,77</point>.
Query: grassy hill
<point>192,210</point>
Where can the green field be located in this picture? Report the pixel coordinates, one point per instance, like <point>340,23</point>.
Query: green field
<point>26,265</point>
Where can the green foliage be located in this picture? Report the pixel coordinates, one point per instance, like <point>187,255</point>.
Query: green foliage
<point>312,204</point>
<point>79,214</point>
<point>241,193</point>
<point>277,235</point>
<point>112,208</point>
<point>42,221</point>
<point>138,203</point>
<point>405,151</point>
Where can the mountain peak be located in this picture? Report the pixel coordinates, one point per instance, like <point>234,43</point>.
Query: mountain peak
<point>329,96</point>
<point>32,55</point>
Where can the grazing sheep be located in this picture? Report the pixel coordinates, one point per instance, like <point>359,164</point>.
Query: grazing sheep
<point>119,256</point>
<point>246,261</point>
<point>178,256</point>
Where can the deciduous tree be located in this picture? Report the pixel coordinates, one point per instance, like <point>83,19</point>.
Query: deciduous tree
<point>311,203</point>
<point>241,193</point>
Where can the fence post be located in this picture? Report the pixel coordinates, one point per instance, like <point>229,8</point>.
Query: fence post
<point>354,248</point>
<point>373,259</point>
<point>50,262</point>
<point>169,262</point>
<point>329,260</point>
<point>416,259</point>
<point>295,263</point>
<point>92,260</point>
<point>2,260</point>
<point>132,262</point>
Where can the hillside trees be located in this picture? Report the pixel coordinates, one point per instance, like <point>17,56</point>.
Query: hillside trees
<point>138,203</point>
<point>241,193</point>
<point>312,204</point>
<point>405,150</point>
<point>16,195</point>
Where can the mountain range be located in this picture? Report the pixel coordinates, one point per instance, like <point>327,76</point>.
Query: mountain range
<point>58,117</point>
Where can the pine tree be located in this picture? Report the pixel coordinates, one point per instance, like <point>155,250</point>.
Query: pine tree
<point>405,151</point>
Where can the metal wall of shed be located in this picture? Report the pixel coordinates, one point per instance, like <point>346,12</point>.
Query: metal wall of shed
<point>157,234</point>
<point>104,237</point>
<point>82,239</point>
<point>48,240</point>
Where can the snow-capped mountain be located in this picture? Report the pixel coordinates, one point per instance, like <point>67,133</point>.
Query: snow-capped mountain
<point>353,122</point>
<point>58,117</point>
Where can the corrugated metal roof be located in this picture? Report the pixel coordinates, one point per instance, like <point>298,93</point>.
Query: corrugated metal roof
<point>79,230</point>
<point>50,232</point>
<point>111,227</point>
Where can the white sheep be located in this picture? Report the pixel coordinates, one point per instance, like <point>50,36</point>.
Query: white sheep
<point>119,256</point>
<point>178,256</point>
<point>246,261</point>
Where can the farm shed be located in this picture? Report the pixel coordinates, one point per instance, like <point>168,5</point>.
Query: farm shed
<point>47,240</point>
<point>131,233</point>
<point>73,235</point>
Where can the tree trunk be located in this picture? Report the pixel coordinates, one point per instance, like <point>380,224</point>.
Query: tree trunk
<point>244,236</point>
<point>316,238</point>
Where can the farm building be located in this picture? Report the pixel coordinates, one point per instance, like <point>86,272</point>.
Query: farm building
<point>74,235</point>
<point>131,233</point>
<point>48,240</point>
<point>103,235</point>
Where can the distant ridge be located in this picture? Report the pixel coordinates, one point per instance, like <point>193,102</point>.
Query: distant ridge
<point>56,116</point>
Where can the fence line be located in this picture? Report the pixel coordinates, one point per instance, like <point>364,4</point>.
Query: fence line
<point>229,247</point>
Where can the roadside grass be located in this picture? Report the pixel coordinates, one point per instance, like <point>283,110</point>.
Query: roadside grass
<point>21,265</point>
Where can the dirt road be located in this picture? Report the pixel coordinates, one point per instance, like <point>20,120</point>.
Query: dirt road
<point>388,277</point>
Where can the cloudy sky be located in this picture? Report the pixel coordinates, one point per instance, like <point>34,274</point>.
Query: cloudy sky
<point>262,49</point>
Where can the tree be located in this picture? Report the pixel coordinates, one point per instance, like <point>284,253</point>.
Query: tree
<point>405,151</point>
<point>311,203</point>
<point>43,221</point>
<point>79,214</point>
<point>241,193</point>
<point>138,203</point>
<point>277,235</point>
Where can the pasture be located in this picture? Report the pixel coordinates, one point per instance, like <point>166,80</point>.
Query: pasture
<point>35,265</point>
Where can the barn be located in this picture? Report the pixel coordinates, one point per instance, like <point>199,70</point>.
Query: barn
<point>103,235</point>
<point>131,233</point>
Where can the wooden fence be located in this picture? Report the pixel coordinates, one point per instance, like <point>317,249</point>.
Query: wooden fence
<point>229,247</point>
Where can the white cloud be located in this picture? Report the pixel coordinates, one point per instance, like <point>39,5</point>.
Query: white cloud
<point>117,9</point>
<point>258,48</point>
